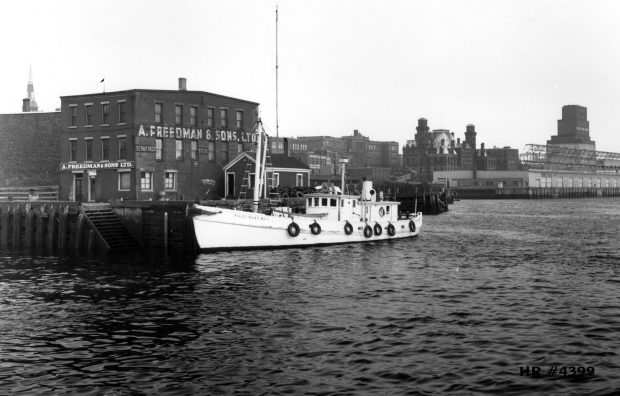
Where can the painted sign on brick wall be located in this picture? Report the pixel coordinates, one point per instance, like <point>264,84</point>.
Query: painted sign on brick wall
<point>72,166</point>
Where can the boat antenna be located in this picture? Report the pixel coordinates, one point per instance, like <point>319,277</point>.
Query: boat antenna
<point>277,124</point>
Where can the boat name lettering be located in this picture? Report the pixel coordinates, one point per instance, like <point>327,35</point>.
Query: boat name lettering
<point>169,132</point>
<point>249,216</point>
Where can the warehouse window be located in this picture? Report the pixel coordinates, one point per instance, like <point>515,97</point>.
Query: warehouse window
<point>193,145</point>
<point>224,118</point>
<point>210,117</point>
<point>73,110</point>
<point>121,112</point>
<point>224,153</point>
<point>146,181</point>
<point>170,180</point>
<point>193,115</point>
<point>105,113</point>
<point>105,148</point>
<point>211,151</point>
<point>159,113</point>
<point>159,149</point>
<point>299,180</point>
<point>124,180</point>
<point>89,149</point>
<point>178,114</point>
<point>89,114</point>
<point>239,119</point>
<point>178,150</point>
<point>72,149</point>
<point>122,147</point>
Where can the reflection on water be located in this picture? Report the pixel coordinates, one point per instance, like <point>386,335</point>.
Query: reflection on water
<point>486,289</point>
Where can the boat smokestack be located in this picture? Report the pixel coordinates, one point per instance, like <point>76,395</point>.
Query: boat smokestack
<point>368,193</point>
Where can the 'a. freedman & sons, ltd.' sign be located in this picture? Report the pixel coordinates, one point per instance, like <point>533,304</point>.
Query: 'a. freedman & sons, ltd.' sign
<point>165,132</point>
<point>75,166</point>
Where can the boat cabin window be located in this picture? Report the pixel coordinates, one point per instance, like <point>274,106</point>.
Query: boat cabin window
<point>353,203</point>
<point>333,202</point>
<point>324,202</point>
<point>387,209</point>
<point>316,202</point>
<point>309,201</point>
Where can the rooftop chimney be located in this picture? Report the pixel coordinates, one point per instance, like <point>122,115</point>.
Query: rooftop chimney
<point>26,105</point>
<point>182,84</point>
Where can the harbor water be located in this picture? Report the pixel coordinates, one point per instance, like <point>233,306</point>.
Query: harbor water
<point>489,294</point>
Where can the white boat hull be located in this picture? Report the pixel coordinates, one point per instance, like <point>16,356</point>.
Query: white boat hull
<point>219,228</point>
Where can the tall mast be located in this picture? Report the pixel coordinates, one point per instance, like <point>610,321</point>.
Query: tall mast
<point>277,124</point>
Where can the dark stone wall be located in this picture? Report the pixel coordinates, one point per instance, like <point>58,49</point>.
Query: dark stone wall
<point>30,149</point>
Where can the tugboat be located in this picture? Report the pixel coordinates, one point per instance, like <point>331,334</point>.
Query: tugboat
<point>331,217</point>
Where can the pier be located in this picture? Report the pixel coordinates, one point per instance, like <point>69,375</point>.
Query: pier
<point>534,192</point>
<point>61,228</point>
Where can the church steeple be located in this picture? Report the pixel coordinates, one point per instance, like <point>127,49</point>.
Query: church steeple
<point>30,90</point>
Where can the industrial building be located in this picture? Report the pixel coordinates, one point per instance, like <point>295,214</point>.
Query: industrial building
<point>568,160</point>
<point>439,151</point>
<point>144,144</point>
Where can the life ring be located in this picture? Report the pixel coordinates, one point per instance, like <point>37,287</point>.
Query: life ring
<point>378,229</point>
<point>381,212</point>
<point>293,229</point>
<point>391,230</point>
<point>411,226</point>
<point>367,231</point>
<point>315,228</point>
<point>348,228</point>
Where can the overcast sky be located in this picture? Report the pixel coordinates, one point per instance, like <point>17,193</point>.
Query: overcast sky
<point>507,67</point>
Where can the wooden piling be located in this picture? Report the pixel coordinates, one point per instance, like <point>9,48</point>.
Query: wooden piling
<point>166,232</point>
<point>29,227</point>
<point>79,230</point>
<point>39,235</point>
<point>63,227</point>
<point>91,247</point>
<point>17,227</point>
<point>4,219</point>
<point>52,228</point>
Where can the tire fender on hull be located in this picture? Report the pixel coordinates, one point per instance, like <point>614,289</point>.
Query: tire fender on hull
<point>293,229</point>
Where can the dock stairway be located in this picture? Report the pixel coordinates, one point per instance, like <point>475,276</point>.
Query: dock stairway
<point>109,226</point>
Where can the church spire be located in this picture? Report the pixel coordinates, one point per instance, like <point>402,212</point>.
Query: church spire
<point>30,89</point>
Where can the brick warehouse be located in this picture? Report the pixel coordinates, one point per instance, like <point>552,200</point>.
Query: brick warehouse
<point>30,149</point>
<point>145,144</point>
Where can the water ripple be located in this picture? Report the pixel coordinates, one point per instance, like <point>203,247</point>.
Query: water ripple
<point>485,290</point>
